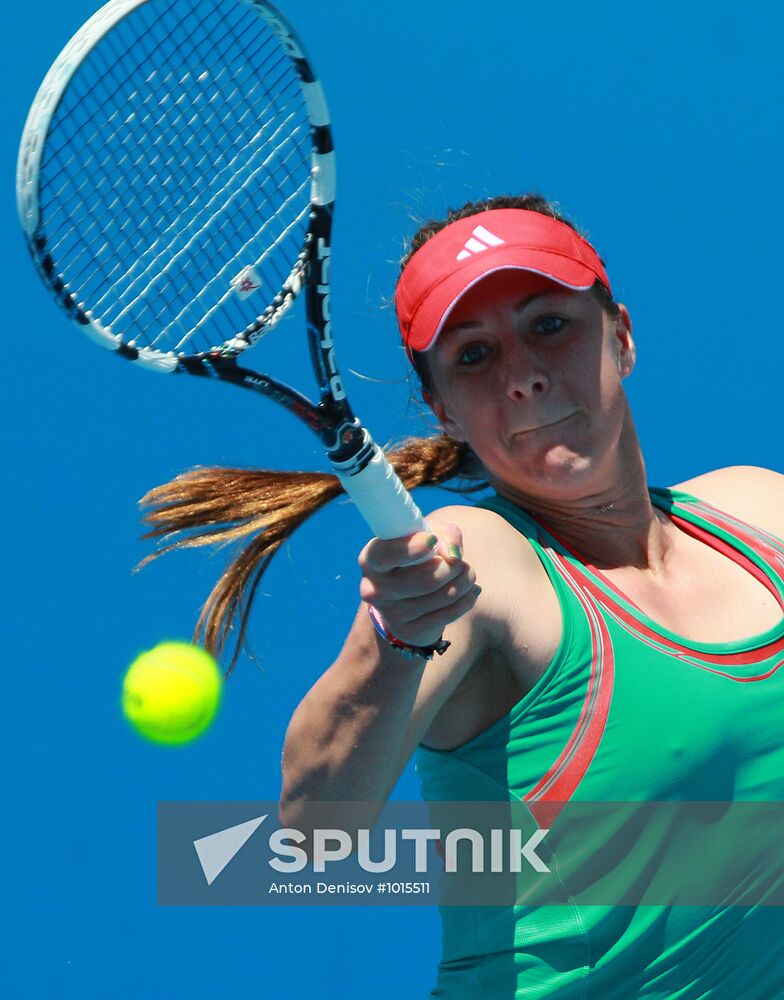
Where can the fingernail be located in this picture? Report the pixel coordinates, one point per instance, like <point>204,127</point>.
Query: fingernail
<point>432,541</point>
<point>477,590</point>
<point>455,551</point>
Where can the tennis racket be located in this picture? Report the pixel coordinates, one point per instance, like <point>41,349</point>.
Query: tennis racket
<point>176,186</point>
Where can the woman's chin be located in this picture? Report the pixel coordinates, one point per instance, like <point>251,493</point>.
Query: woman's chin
<point>560,474</point>
<point>561,465</point>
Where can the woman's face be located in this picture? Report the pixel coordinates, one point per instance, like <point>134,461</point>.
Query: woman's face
<point>529,374</point>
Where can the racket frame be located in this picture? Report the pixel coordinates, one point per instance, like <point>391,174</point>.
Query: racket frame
<point>357,460</point>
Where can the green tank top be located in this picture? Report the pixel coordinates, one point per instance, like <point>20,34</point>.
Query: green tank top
<point>626,711</point>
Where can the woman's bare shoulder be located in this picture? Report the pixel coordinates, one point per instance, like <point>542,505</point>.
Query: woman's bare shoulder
<point>749,492</point>
<point>486,535</point>
<point>515,585</point>
<point>480,518</point>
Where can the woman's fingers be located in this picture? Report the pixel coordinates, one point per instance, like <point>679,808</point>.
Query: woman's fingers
<point>418,584</point>
<point>382,555</point>
<point>409,610</point>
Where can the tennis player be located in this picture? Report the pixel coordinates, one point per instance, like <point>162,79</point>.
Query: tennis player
<point>625,642</point>
<point>579,636</point>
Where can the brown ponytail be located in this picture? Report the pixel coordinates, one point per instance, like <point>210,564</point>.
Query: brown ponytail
<point>213,506</point>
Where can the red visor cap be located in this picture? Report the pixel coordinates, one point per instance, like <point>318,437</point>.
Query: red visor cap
<point>456,258</point>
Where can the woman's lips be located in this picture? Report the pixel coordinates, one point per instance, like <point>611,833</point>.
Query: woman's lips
<point>541,427</point>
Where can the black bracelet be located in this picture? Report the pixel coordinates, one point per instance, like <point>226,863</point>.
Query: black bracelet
<point>404,648</point>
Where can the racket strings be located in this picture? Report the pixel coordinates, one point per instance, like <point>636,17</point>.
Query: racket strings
<point>199,169</point>
<point>84,109</point>
<point>86,94</point>
<point>199,293</point>
<point>295,179</point>
<point>198,222</point>
<point>121,58</point>
<point>296,223</point>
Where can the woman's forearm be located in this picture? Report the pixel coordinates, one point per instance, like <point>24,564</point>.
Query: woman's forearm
<point>348,738</point>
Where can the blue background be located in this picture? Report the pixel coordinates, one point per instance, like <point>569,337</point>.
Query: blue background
<point>658,127</point>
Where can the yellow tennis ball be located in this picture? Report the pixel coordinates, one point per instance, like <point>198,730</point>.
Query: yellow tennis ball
<point>171,693</point>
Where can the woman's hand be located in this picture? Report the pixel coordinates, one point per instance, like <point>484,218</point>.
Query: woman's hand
<point>418,584</point>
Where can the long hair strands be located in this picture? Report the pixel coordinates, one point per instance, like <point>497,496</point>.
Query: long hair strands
<point>219,506</point>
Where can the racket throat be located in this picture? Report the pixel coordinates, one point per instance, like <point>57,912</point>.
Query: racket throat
<point>351,449</point>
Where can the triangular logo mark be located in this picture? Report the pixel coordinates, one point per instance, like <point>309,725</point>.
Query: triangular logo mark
<point>479,240</point>
<point>216,850</point>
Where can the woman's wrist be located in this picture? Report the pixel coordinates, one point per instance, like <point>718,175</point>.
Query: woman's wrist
<point>406,649</point>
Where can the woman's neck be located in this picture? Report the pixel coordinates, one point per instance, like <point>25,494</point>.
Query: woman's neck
<point>610,523</point>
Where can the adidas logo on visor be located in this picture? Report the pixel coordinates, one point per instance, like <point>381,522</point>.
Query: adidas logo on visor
<point>479,240</point>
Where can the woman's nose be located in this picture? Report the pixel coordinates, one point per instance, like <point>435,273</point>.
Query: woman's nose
<point>524,376</point>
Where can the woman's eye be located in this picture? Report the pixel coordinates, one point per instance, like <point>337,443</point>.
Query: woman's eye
<point>551,324</point>
<point>471,354</point>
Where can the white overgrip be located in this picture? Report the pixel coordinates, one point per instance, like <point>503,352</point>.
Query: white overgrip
<point>381,498</point>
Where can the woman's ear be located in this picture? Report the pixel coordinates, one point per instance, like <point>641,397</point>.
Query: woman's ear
<point>627,351</point>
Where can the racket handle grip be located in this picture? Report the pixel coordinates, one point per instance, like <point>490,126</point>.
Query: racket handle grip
<point>378,494</point>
